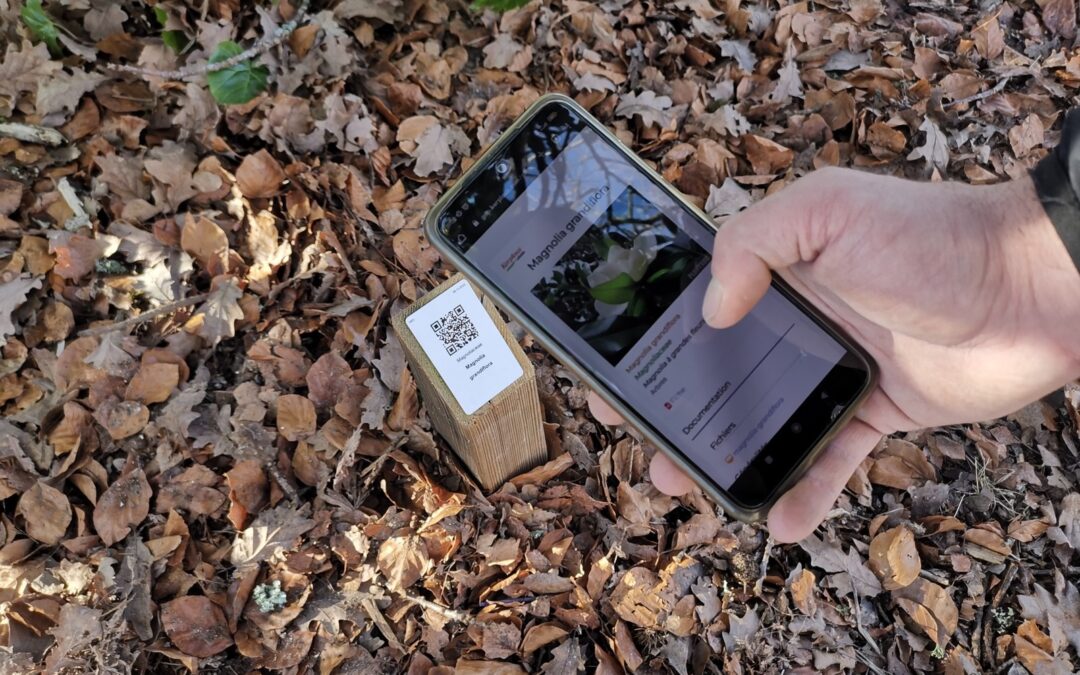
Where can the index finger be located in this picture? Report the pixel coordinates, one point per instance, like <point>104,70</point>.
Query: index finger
<point>603,412</point>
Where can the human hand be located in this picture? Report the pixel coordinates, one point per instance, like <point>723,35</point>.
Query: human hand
<point>964,295</point>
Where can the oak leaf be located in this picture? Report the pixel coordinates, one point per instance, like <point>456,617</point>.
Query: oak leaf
<point>1033,647</point>
<point>935,147</point>
<point>178,414</point>
<point>740,51</point>
<point>75,630</point>
<point>22,68</point>
<point>802,584</point>
<point>1059,611</point>
<point>403,560</point>
<point>273,530</point>
<point>506,52</point>
<point>217,317</point>
<point>110,356</point>
<point>727,199</point>
<point>847,568</point>
<point>13,294</point>
<point>652,109</point>
<point>432,144</point>
<point>123,176</point>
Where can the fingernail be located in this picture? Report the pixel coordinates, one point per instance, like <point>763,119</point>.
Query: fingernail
<point>713,295</point>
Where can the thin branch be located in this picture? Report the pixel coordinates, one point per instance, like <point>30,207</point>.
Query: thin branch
<point>760,583</point>
<point>145,316</point>
<point>981,95</point>
<point>454,614</point>
<point>265,44</point>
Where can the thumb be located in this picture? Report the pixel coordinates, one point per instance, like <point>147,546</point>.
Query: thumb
<point>773,234</point>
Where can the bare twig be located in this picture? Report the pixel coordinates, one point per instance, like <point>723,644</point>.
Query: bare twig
<point>857,611</point>
<point>376,616</point>
<point>869,663</point>
<point>981,95</point>
<point>1003,587</point>
<point>266,43</point>
<point>343,255</point>
<point>453,614</point>
<point>145,316</point>
<point>977,637</point>
<point>987,620</point>
<point>283,483</point>
<point>80,218</point>
<point>760,583</point>
<point>32,133</point>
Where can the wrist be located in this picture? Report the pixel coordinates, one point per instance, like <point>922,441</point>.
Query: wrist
<point>1047,280</point>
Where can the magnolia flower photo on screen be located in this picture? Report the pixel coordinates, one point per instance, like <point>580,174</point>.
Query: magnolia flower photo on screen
<point>621,275</point>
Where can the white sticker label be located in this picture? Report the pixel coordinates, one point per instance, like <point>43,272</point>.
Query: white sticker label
<point>465,346</point>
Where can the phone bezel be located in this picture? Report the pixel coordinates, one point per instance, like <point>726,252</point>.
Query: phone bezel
<point>855,357</point>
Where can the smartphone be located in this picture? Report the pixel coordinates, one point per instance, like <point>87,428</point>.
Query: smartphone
<point>606,265</point>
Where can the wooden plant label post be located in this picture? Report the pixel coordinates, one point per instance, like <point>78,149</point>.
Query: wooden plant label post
<point>475,381</point>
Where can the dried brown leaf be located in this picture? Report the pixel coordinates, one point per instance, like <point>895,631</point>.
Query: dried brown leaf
<point>196,626</point>
<point>1059,16</point>
<point>217,317</point>
<point>46,512</point>
<point>259,175</point>
<point>931,607</point>
<point>403,560</point>
<point>122,418</point>
<point>500,640</point>
<point>901,464</point>
<point>894,558</point>
<point>123,506</point>
<point>548,582</point>
<point>205,241</point>
<point>545,472</point>
<point>154,383</point>
<point>328,379</point>
<point>540,635</point>
<point>802,584</point>
<point>766,156</point>
<point>295,416</point>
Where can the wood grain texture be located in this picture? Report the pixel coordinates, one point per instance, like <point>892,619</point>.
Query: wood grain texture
<point>503,438</point>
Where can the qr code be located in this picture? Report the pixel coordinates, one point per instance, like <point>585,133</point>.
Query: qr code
<point>455,330</point>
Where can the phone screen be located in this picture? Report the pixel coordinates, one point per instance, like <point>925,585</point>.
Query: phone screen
<point>615,270</point>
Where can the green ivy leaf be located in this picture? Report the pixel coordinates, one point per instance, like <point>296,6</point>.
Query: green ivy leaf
<point>499,5</point>
<point>238,83</point>
<point>175,40</point>
<point>616,291</point>
<point>41,25</point>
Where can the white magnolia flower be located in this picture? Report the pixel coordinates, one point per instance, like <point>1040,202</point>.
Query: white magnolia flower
<point>633,262</point>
